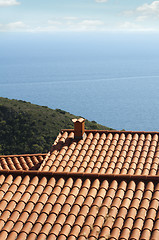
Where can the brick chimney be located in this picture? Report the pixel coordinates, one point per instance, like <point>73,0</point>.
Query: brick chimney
<point>78,128</point>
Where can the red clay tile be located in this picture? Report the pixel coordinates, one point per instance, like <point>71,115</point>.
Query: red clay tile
<point>45,206</point>
<point>21,162</point>
<point>106,208</point>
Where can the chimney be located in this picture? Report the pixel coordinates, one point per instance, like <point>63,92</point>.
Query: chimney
<point>78,128</point>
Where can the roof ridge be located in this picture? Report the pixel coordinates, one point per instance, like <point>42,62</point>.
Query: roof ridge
<point>25,154</point>
<point>100,176</point>
<point>113,131</point>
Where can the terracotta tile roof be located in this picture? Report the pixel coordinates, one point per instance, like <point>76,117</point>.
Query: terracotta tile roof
<point>104,186</point>
<point>42,205</point>
<point>109,152</point>
<point>21,162</point>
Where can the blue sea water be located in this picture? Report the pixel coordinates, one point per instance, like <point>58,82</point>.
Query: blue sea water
<point>112,78</point>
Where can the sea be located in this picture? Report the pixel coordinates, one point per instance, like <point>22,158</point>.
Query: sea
<point>109,77</point>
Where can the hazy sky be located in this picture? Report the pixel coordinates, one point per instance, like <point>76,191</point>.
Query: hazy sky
<point>79,15</point>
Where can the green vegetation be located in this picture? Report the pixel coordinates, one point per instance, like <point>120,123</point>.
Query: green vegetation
<point>29,128</point>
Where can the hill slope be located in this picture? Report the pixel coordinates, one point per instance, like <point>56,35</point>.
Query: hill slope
<point>29,128</point>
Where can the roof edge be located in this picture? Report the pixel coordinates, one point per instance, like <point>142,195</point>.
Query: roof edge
<point>24,155</point>
<point>113,131</point>
<point>91,176</point>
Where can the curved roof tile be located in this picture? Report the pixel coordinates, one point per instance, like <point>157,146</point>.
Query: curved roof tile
<point>103,186</point>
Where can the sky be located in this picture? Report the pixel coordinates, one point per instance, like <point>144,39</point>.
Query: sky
<point>78,15</point>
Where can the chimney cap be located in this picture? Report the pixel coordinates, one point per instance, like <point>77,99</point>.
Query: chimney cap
<point>80,120</point>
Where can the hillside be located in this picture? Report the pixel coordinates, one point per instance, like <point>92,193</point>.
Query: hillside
<point>29,128</point>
